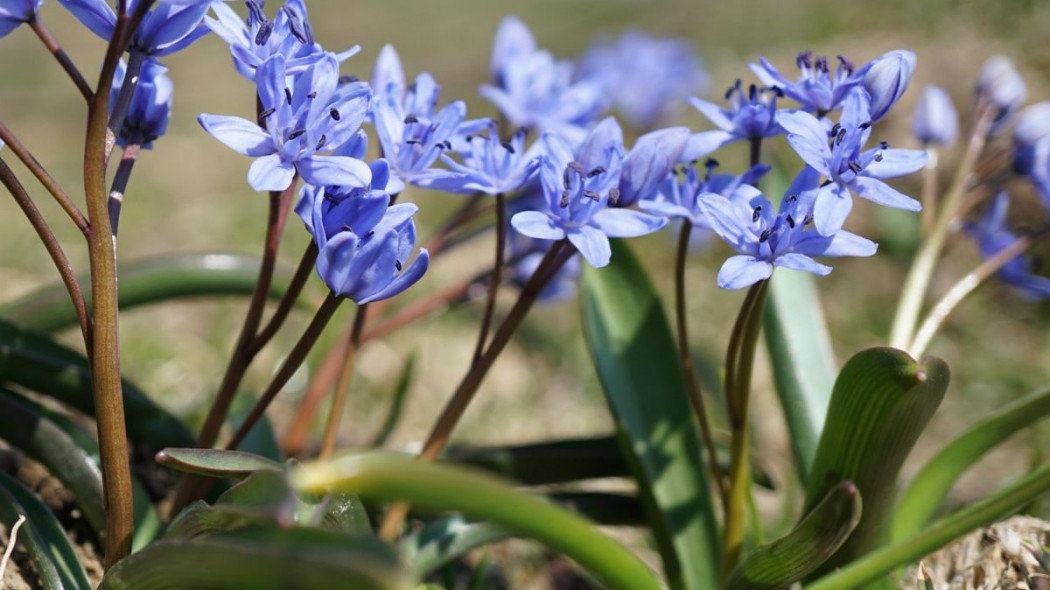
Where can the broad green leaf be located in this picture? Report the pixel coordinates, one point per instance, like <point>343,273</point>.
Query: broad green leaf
<point>882,401</point>
<point>40,364</point>
<point>444,540</point>
<point>636,360</point>
<point>875,565</point>
<point>216,462</point>
<point>149,281</point>
<point>71,455</point>
<point>50,550</point>
<point>802,361</point>
<point>441,487</point>
<point>397,403</point>
<point>787,560</point>
<point>261,559</point>
<point>925,493</point>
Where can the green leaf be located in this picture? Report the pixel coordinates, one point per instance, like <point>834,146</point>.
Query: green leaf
<point>636,359</point>
<point>71,455</point>
<point>880,562</point>
<point>881,403</point>
<point>444,540</point>
<point>40,364</point>
<point>780,564</point>
<point>216,462</point>
<point>925,493</point>
<point>397,403</point>
<point>439,487</point>
<point>53,557</point>
<point>261,559</point>
<point>802,360</point>
<point>149,281</point>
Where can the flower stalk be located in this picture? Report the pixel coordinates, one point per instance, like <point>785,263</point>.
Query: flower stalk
<point>342,384</point>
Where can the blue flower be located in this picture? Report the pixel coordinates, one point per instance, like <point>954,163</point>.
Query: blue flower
<point>848,169</point>
<point>1001,85</point>
<point>1033,125</point>
<point>1037,161</point>
<point>885,80</point>
<point>935,120</point>
<point>254,41</point>
<point>14,13</point>
<point>992,236</point>
<point>649,162</point>
<point>765,240</point>
<point>364,243</point>
<point>646,77</point>
<point>316,115</point>
<point>147,117</point>
<point>167,27</point>
<point>489,166</point>
<point>524,254</point>
<point>578,188</point>
<point>678,195</point>
<point>818,88</point>
<point>533,90</point>
<point>750,116</point>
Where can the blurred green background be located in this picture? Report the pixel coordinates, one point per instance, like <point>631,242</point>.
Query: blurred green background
<point>189,195</point>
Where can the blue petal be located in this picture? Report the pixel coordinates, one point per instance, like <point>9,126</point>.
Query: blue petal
<point>796,261</point>
<point>831,209</point>
<point>93,14</point>
<point>714,113</point>
<point>270,173</point>
<point>388,75</point>
<point>726,220</point>
<point>703,143</point>
<point>334,171</point>
<point>843,243</point>
<point>625,223</point>
<point>887,79</point>
<point>895,162</point>
<point>808,138</point>
<point>537,225</point>
<point>592,244</point>
<point>879,192</point>
<point>743,271</point>
<point>408,277</point>
<point>649,162</point>
<point>513,41</point>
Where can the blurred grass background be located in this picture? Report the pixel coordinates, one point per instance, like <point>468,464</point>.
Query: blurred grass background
<point>189,195</point>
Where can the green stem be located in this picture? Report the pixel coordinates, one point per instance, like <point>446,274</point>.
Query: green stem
<point>914,290</point>
<point>882,561</point>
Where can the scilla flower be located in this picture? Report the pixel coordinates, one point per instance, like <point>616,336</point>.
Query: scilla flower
<point>935,121</point>
<point>678,194</point>
<point>993,235</point>
<point>849,170</point>
<point>315,116</point>
<point>751,115</point>
<point>364,244</point>
<point>147,117</point>
<point>885,80</point>
<point>167,27</point>
<point>488,165</point>
<point>766,240</point>
<point>578,187</point>
<point>1033,126</point>
<point>818,87</point>
<point>14,13</point>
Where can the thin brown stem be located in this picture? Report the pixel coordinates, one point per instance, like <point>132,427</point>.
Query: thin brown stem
<point>288,301</point>
<point>62,57</point>
<point>289,367</point>
<point>41,174</point>
<point>696,398</point>
<point>497,276</point>
<point>123,101</point>
<point>120,184</point>
<point>54,249</point>
<point>342,384</point>
<point>559,253</point>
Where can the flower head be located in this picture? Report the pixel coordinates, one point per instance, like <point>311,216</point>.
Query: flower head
<point>364,243</point>
<point>648,163</point>
<point>935,120</point>
<point>764,240</point>
<point>13,13</point>
<point>578,186</point>
<point>647,77</point>
<point>525,253</point>
<point>255,40</point>
<point>838,155</point>
<point>166,28</point>
<point>751,115</point>
<point>1001,85</point>
<point>1033,127</point>
<point>488,165</point>
<point>147,116</point>
<point>993,235</point>
<point>818,88</point>
<point>678,194</point>
<point>885,80</point>
<point>315,115</point>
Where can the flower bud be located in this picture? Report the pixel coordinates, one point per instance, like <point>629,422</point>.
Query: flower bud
<point>1000,83</point>
<point>886,80</point>
<point>1033,127</point>
<point>935,120</point>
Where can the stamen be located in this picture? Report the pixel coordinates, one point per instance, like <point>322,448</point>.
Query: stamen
<point>335,114</point>
<point>841,136</point>
<point>267,113</point>
<point>804,59</point>
<point>411,119</point>
<point>288,95</point>
<point>752,93</point>
<point>845,63</point>
<point>596,172</point>
<point>791,222</point>
<point>296,133</point>
<point>507,146</point>
<point>349,79</point>
<point>264,33</point>
<point>321,142</point>
<point>413,142</point>
<point>592,195</point>
<point>884,145</point>
<point>614,195</point>
<point>878,156</point>
<point>578,167</point>
<point>312,94</point>
<point>855,167</point>
<point>296,27</point>
<point>822,64</point>
<point>765,235</point>
<point>397,265</point>
<point>564,199</point>
<point>756,214</point>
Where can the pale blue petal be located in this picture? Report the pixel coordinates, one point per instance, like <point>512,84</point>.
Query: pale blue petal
<point>625,223</point>
<point>879,192</point>
<point>714,113</point>
<point>801,262</point>
<point>240,135</point>
<point>704,143</point>
<point>536,225</point>
<point>895,162</point>
<point>592,244</point>
<point>831,209</point>
<point>743,271</point>
<point>335,171</point>
<point>270,173</point>
<point>808,138</point>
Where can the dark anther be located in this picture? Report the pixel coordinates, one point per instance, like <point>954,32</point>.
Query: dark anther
<point>413,142</point>
<point>884,145</point>
<point>711,163</point>
<point>335,114</point>
<point>792,198</point>
<point>411,88</point>
<point>614,195</point>
<point>804,59</point>
<point>835,129</point>
<point>729,92</point>
<point>348,80</point>
<point>288,95</point>
<point>264,33</point>
<point>752,93</point>
<point>756,214</point>
<point>397,265</point>
<point>311,95</point>
<point>865,125</point>
<point>840,137</point>
<point>296,133</point>
<point>296,26</point>
<point>596,172</point>
<point>592,195</point>
<point>370,234</point>
<point>822,64</point>
<point>808,220</point>
<point>878,156</point>
<point>778,90</point>
<point>846,63</point>
<point>566,179</point>
<point>321,142</point>
<point>267,113</point>
<point>578,167</point>
<point>255,10</point>
<point>507,146</point>
<point>564,199</point>
<point>410,118</point>
<point>447,145</point>
<point>791,222</point>
<point>855,167</point>
<point>765,235</point>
